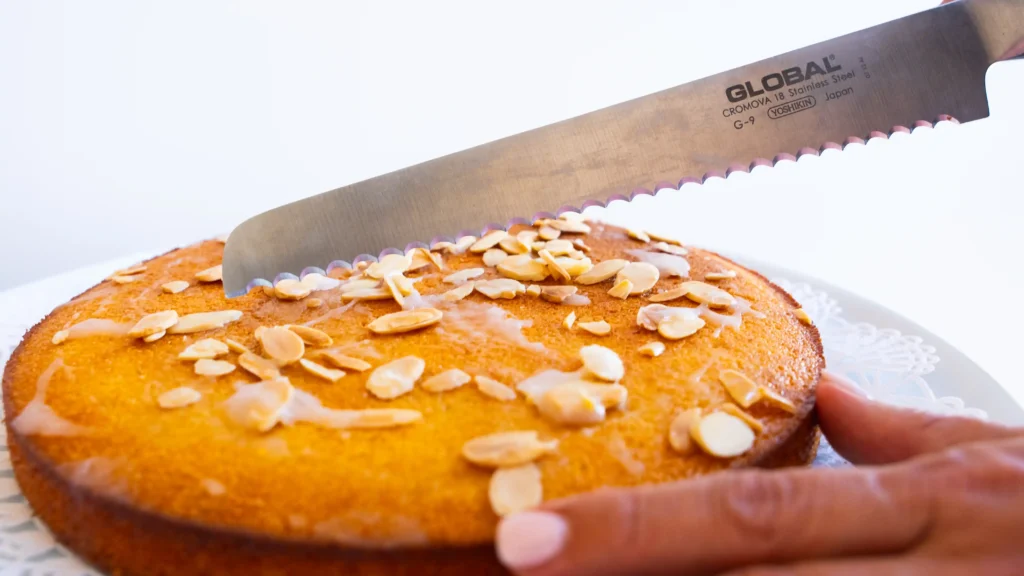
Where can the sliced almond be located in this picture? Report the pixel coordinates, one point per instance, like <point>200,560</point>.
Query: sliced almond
<point>679,431</point>
<point>515,489</point>
<point>740,387</point>
<point>669,295</point>
<point>643,276</point>
<point>155,336</point>
<point>382,293</point>
<point>775,399</point>
<point>651,315</point>
<point>579,243</point>
<point>458,293</point>
<point>538,245</point>
<point>505,288</point>
<point>382,418</point>
<point>548,233</point>
<point>670,249</point>
<point>282,345</point>
<point>60,336</point>
<point>662,238</point>
<point>575,267</point>
<point>174,287</point>
<point>153,323</point>
<point>736,411</point>
<point>178,398</point>
<point>311,336</point>
<point>638,235</point>
<point>571,405</point>
<point>447,380</point>
<point>572,216</point>
<point>512,245</point>
<point>569,226</point>
<point>259,406</point>
<point>504,449</point>
<point>359,284</point>
<point>420,258</point>
<point>318,282</point>
<point>463,275</point>
<point>205,348</point>
<point>557,294</point>
<point>319,371</point>
<point>570,319</point>
<point>258,366</point>
<point>677,327</point>
<point>119,279</point>
<point>405,321</point>
<point>394,290</point>
<point>461,245</point>
<point>803,316</point>
<point>494,256</point>
<point>523,268</point>
<point>722,435</point>
<point>601,271</point>
<point>652,349</point>
<point>490,240</point>
<point>724,275</point>
<point>494,389</point>
<point>707,294</point>
<point>602,362</point>
<point>621,289</point>
<point>291,289</point>
<point>597,328</point>
<point>137,269</point>
<point>577,255</point>
<point>342,361</point>
<point>395,378</point>
<point>314,303</point>
<point>235,346</point>
<point>560,247</point>
<point>210,367</point>
<point>213,274</point>
<point>554,267</point>
<point>533,290</point>
<point>527,237</point>
<point>388,265</point>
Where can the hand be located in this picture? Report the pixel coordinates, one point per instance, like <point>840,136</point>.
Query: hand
<point>937,495</point>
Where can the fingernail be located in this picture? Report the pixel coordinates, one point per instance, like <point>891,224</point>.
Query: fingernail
<point>529,539</point>
<point>844,383</point>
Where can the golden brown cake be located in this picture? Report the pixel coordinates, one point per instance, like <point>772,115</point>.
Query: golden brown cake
<point>378,420</point>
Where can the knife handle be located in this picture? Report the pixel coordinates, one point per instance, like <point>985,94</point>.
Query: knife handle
<point>1000,24</point>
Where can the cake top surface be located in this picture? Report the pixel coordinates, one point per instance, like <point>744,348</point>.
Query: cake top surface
<point>412,400</point>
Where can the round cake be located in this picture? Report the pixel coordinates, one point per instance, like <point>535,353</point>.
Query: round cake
<point>379,419</point>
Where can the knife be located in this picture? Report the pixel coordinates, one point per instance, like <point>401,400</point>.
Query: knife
<point>927,66</point>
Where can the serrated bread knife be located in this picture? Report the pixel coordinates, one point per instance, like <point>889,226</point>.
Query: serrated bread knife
<point>927,66</point>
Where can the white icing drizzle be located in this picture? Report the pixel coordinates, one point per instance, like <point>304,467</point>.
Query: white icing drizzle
<point>668,264</point>
<point>98,327</point>
<point>38,418</point>
<point>618,449</point>
<point>487,324</point>
<point>304,407</point>
<point>416,300</point>
<point>333,313</point>
<point>576,300</point>
<point>97,473</point>
<point>733,320</point>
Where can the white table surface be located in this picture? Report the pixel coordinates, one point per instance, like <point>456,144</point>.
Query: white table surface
<point>131,127</point>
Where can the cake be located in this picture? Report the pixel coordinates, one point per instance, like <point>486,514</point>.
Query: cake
<point>379,419</point>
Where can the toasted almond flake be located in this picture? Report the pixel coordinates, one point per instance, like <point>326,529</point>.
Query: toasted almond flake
<point>461,245</point>
<point>527,237</point>
<point>679,431</point>
<point>643,276</point>
<point>557,294</point>
<point>559,247</point>
<point>258,332</point>
<point>803,316</point>
<point>318,282</point>
<point>361,266</point>
<point>404,285</point>
<point>554,267</point>
<point>174,287</point>
<point>547,233</point>
<point>707,294</point>
<point>205,348</point>
<point>118,279</point>
<point>60,336</point>
<point>597,328</point>
<point>259,406</point>
<point>621,289</point>
<point>210,367</point>
<point>775,399</point>
<point>447,380</point>
<point>538,245</point>
<point>396,293</point>
<point>601,271</point>
<point>577,255</point>
<point>602,362</point>
<point>743,390</point>
<point>321,371</point>
<point>572,216</point>
<point>388,265</point>
<point>463,275</point>
<point>669,295</point>
<point>421,258</point>
<point>405,321</point>
<point>515,489</point>
<point>258,366</point>
<point>722,435</point>
<point>533,290</point>
<point>579,243</point>
<point>382,293</point>
<point>512,245</point>
<point>291,289</point>
<point>155,336</point>
<point>343,361</point>
<point>382,418</point>
<point>494,389</point>
<point>677,327</point>
<point>652,349</point>
<point>395,378</point>
<point>222,238</point>
<point>736,411</point>
<point>670,249</point>
<point>638,235</point>
<point>459,292</point>
<point>311,336</point>
<point>490,240</point>
<point>359,284</point>
<point>494,256</point>
<point>724,275</point>
<point>201,321</point>
<point>213,274</point>
<point>651,315</point>
<point>137,269</point>
<point>235,346</point>
<point>504,449</point>
<point>178,398</point>
<point>572,405</point>
<point>570,319</point>
<point>153,323</point>
<point>569,226</point>
<point>282,345</point>
<point>314,303</point>
<point>573,266</point>
<point>504,288</point>
<point>662,238</point>
<point>524,268</point>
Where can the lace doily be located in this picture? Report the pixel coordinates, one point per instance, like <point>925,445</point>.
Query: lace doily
<point>889,366</point>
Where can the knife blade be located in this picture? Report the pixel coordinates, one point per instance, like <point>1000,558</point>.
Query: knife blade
<point>926,66</point>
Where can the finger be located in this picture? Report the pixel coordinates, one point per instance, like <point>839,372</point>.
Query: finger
<point>719,522</point>
<point>902,566</point>
<point>869,432</point>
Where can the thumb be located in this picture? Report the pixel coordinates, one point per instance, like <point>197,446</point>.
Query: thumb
<point>868,432</point>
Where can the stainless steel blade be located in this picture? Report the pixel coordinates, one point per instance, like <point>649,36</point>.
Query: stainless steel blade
<point>916,68</point>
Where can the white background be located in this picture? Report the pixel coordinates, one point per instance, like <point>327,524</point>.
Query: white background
<point>137,126</point>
